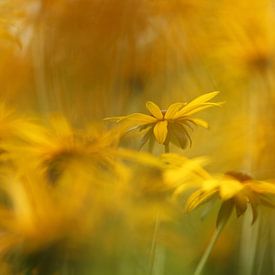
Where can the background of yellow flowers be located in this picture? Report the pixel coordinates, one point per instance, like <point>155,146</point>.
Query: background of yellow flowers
<point>67,64</point>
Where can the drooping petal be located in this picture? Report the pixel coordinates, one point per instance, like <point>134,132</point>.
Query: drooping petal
<point>197,198</point>
<point>173,109</point>
<point>154,109</point>
<point>161,131</point>
<point>240,204</point>
<point>254,212</point>
<point>224,213</point>
<point>148,135</point>
<point>180,142</point>
<point>178,135</point>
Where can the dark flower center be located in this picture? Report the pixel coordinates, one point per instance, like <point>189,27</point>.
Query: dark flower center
<point>241,177</point>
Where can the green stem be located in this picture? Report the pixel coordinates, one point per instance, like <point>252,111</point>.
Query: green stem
<point>154,245</point>
<point>209,249</point>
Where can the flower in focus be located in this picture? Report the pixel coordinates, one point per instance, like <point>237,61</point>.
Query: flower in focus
<point>169,125</point>
<point>236,190</point>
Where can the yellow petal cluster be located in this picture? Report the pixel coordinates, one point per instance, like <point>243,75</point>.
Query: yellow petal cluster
<point>234,187</point>
<point>171,125</point>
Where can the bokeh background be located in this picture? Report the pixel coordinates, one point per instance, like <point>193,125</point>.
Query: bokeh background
<point>89,59</point>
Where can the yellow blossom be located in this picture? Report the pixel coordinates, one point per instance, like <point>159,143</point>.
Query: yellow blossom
<point>38,215</point>
<point>54,147</point>
<point>169,125</point>
<point>236,189</point>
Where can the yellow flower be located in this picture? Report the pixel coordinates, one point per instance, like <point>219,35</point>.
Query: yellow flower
<point>169,125</point>
<point>41,214</point>
<point>53,148</point>
<point>236,190</point>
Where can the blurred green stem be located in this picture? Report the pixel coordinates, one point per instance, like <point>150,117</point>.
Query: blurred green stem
<point>153,250</point>
<point>209,248</point>
<point>154,245</point>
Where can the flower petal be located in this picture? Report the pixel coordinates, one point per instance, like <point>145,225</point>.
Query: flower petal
<point>202,107</point>
<point>262,187</point>
<point>154,109</point>
<point>179,135</point>
<point>173,109</point>
<point>203,98</point>
<point>137,119</point>
<point>114,118</point>
<point>161,131</point>
<point>199,122</point>
<point>197,198</point>
<point>197,105</point>
<point>230,188</point>
<point>240,204</point>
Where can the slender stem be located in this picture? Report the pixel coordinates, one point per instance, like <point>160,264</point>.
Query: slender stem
<point>155,234</point>
<point>154,245</point>
<point>209,249</point>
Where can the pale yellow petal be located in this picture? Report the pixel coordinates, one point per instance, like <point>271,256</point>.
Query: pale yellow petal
<point>262,187</point>
<point>141,157</point>
<point>133,121</point>
<point>203,98</point>
<point>180,173</point>
<point>173,109</point>
<point>135,118</point>
<point>161,131</point>
<point>141,119</point>
<point>114,118</point>
<point>199,122</point>
<point>154,109</point>
<point>198,198</point>
<point>202,107</point>
<point>195,104</point>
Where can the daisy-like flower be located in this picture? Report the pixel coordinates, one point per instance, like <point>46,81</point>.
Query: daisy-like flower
<point>171,125</point>
<point>235,190</point>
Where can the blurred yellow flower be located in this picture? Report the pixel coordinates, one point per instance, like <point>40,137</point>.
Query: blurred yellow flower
<point>183,173</point>
<point>38,215</point>
<point>169,125</point>
<point>236,189</point>
<point>53,147</point>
